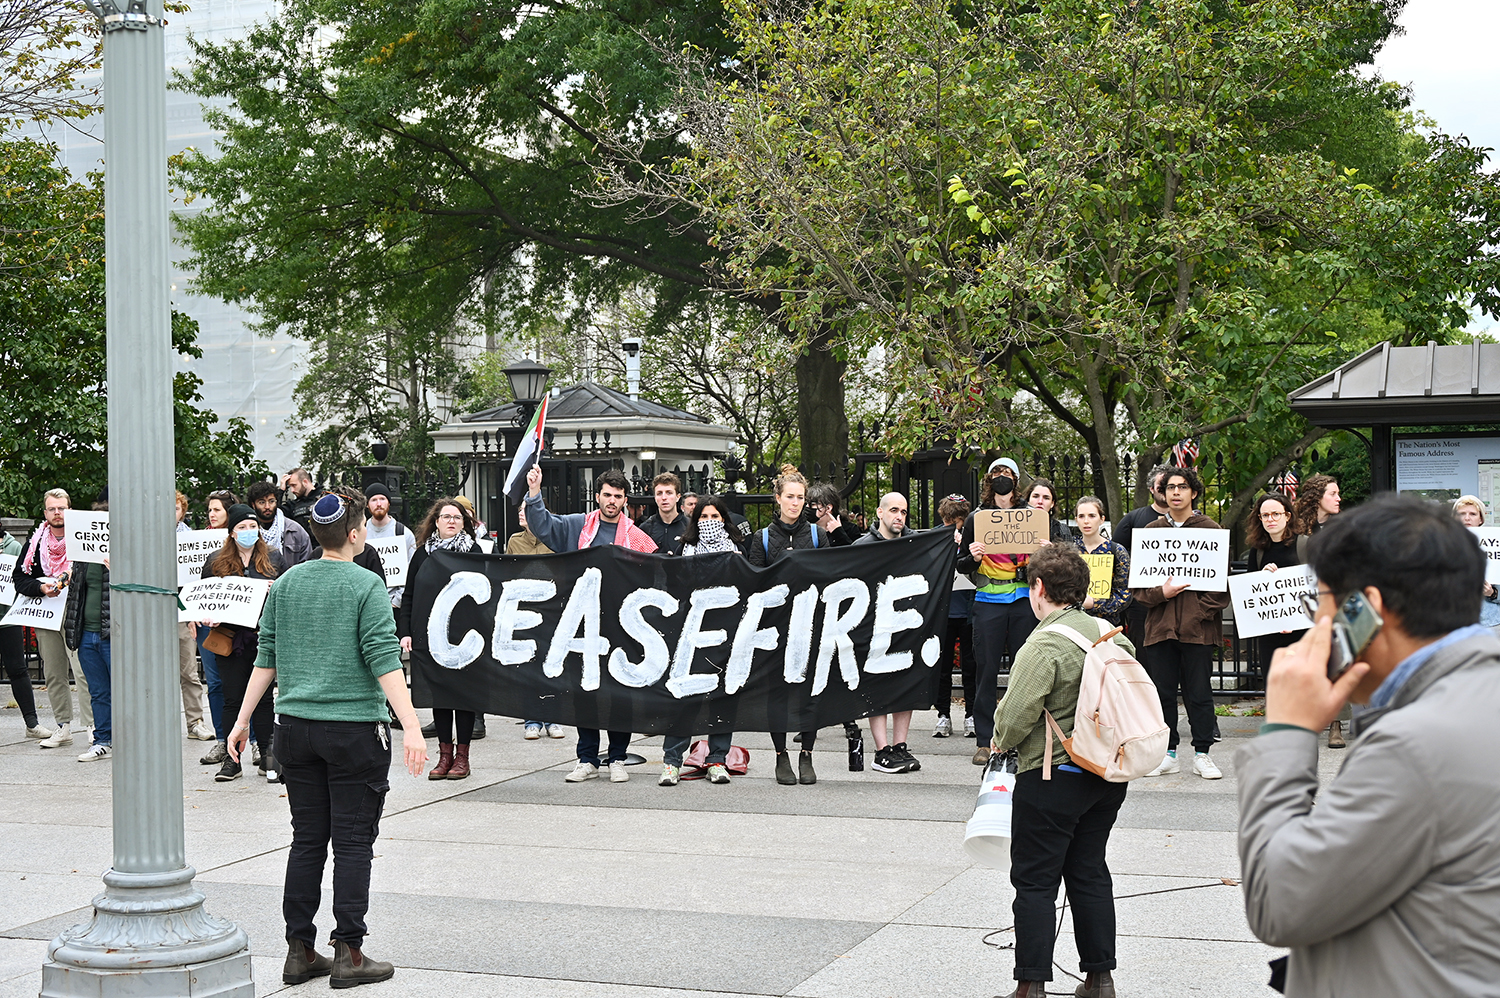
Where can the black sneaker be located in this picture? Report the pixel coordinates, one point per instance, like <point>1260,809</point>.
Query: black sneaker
<point>478,727</point>
<point>888,761</point>
<point>912,765</point>
<point>231,770</point>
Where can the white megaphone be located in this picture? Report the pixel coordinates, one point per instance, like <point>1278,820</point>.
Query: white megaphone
<point>987,835</point>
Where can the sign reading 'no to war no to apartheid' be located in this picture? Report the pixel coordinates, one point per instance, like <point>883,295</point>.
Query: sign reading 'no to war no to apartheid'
<point>1198,556</point>
<point>616,639</point>
<point>392,551</point>
<point>42,612</point>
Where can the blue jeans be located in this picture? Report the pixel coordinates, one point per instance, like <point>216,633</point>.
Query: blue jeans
<point>588,745</point>
<point>673,746</point>
<point>215,687</point>
<point>93,655</point>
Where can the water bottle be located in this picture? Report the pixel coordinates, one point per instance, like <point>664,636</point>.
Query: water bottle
<point>856,748</point>
<point>987,835</point>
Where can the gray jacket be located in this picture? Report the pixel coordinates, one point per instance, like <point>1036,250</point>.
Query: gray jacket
<point>1391,885</point>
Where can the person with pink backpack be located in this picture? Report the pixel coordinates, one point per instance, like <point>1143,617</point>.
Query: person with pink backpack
<point>1071,776</point>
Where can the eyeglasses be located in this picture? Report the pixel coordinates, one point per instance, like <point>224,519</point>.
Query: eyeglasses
<point>1278,515</point>
<point>1177,487</point>
<point>450,516</point>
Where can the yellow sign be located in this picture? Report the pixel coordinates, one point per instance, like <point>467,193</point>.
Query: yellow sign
<point>1011,531</point>
<point>1101,575</point>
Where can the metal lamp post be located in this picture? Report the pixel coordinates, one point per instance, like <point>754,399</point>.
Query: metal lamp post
<point>528,380</point>
<point>150,934</point>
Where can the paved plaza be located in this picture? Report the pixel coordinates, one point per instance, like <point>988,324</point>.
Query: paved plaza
<point>515,883</point>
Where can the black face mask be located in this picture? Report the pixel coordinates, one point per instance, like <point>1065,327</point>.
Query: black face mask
<point>1003,485</point>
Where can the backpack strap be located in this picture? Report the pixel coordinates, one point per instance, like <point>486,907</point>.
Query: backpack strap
<point>1052,726</point>
<point>765,542</point>
<point>1072,635</point>
<point>814,527</point>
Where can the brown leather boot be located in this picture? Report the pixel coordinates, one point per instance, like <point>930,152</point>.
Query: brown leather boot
<point>444,763</point>
<point>1028,989</point>
<point>352,968</point>
<point>1096,985</point>
<point>460,768</point>
<point>303,963</point>
<point>1336,735</point>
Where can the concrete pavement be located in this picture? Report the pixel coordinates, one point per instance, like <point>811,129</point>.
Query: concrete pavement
<point>515,883</point>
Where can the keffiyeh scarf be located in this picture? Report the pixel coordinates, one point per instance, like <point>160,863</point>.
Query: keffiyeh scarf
<point>459,542</point>
<point>713,536</point>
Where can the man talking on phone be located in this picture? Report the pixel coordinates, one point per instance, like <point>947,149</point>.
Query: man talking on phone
<point>1391,885</point>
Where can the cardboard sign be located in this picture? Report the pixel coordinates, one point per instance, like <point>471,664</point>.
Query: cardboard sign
<point>87,535</point>
<point>392,552</point>
<point>1198,556</point>
<point>233,599</point>
<point>1266,602</point>
<point>1101,575</point>
<point>45,613</point>
<point>194,547</point>
<point>7,579</point>
<point>1489,543</point>
<point>1011,531</point>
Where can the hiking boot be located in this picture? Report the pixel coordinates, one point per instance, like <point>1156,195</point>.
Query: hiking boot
<point>460,770</point>
<point>784,774</point>
<point>352,968</point>
<point>1336,735</point>
<point>303,963</point>
<point>215,755</point>
<point>1097,985</point>
<point>805,772</point>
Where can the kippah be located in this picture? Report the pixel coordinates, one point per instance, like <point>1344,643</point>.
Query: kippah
<point>328,509</point>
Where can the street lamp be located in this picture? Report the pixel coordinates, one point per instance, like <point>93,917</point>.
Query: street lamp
<point>149,934</point>
<point>528,380</point>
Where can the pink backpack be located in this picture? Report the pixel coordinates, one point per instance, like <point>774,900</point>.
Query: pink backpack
<point>1118,732</point>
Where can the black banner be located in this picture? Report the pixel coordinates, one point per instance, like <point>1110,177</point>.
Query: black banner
<point>611,638</point>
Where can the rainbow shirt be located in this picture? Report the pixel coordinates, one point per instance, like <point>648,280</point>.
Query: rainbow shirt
<point>997,573</point>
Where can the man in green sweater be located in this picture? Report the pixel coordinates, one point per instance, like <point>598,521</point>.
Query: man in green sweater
<point>328,640</point>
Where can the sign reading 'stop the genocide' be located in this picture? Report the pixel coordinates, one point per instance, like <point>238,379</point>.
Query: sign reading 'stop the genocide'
<point>1198,556</point>
<point>86,533</point>
<point>1011,531</point>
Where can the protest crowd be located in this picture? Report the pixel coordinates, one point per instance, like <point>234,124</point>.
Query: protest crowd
<point>336,602</point>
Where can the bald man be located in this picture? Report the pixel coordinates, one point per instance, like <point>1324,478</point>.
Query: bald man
<point>891,755</point>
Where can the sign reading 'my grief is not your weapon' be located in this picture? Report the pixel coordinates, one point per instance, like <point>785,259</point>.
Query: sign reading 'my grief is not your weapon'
<point>1266,602</point>
<point>616,639</point>
<point>1198,556</point>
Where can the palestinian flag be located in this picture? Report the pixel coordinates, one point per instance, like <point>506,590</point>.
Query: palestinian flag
<point>528,452</point>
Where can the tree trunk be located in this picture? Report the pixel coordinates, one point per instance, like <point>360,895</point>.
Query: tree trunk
<point>822,420</point>
<point>1274,467</point>
<point>1103,443</point>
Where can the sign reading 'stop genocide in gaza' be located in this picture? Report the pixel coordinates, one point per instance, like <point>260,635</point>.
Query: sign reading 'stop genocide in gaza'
<point>87,535</point>
<point>1198,556</point>
<point>1011,531</point>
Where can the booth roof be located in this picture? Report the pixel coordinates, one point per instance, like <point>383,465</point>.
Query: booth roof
<point>587,400</point>
<point>1406,386</point>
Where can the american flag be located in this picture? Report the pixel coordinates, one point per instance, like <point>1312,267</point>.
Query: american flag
<point>1288,483</point>
<point>1185,453</point>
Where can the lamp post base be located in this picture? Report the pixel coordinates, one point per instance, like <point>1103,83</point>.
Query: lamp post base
<point>150,937</point>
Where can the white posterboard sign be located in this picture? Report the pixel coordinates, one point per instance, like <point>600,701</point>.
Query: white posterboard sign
<point>486,544</point>
<point>194,547</point>
<point>45,613</point>
<point>7,579</point>
<point>1266,602</point>
<point>87,535</point>
<point>392,551</point>
<point>1489,543</point>
<point>1198,556</point>
<point>232,599</point>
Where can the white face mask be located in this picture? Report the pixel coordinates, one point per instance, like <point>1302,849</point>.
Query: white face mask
<point>247,538</point>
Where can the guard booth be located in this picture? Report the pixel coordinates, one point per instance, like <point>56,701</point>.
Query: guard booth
<point>1389,387</point>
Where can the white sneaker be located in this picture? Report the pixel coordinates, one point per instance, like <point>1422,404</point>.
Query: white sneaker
<point>62,736</point>
<point>944,728</point>
<point>554,731</point>
<point>533,731</point>
<point>582,771</point>
<point>618,773</point>
<point>1169,764</point>
<point>40,731</point>
<point>670,775</point>
<point>202,732</point>
<point>1204,767</point>
<point>95,753</point>
<point>968,727</point>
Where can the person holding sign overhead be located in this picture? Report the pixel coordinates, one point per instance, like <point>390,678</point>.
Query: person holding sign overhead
<point>1470,512</point>
<point>1109,564</point>
<point>1183,626</point>
<point>245,553</point>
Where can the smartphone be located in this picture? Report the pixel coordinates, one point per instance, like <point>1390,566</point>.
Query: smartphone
<point>1355,625</point>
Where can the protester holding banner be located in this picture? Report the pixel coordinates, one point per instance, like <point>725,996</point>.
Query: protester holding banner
<point>523,542</point>
<point>1002,619</point>
<point>1183,627</point>
<point>86,631</point>
<point>329,642</point>
<point>788,532</point>
<point>823,502</point>
<point>1470,512</point>
<point>607,524</point>
<point>13,653</point>
<point>284,535</point>
<point>446,527</point>
<point>666,525</point>
<point>43,572</point>
<point>890,731</point>
<point>1271,530</point>
<point>707,533</point>
<point>219,504</point>
<point>246,554</point>
<point>1062,819</point>
<point>187,657</point>
<point>958,641</point>
<point>1095,547</point>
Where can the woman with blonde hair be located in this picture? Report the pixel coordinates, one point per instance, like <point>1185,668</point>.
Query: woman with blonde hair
<point>1469,511</point>
<point>788,532</point>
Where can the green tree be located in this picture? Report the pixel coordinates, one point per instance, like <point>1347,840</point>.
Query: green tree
<point>54,400</point>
